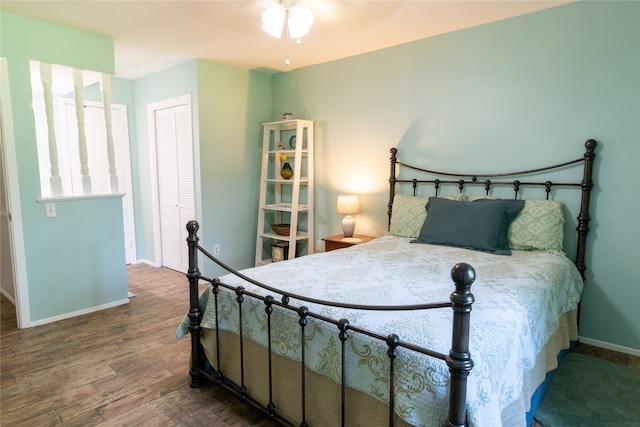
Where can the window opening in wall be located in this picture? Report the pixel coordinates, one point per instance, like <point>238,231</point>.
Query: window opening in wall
<point>75,139</point>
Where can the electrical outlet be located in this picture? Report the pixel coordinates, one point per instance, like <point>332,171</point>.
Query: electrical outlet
<point>50,209</point>
<point>216,250</point>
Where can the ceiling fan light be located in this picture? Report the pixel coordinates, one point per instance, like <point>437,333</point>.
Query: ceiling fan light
<point>273,20</point>
<point>300,21</point>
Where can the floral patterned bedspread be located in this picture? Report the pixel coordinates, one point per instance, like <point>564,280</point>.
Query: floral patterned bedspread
<point>518,302</point>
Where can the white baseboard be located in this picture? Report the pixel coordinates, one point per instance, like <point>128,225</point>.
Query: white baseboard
<point>9,297</point>
<point>609,346</point>
<point>79,312</point>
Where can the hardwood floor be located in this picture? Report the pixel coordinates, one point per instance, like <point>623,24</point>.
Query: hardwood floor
<point>121,366</point>
<point>612,356</point>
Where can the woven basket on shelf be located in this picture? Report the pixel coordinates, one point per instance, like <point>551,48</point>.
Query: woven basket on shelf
<point>281,229</point>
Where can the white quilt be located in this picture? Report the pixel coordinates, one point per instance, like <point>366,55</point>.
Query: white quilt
<point>518,302</point>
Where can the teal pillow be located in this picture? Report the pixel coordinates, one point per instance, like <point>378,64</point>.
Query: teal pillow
<point>408,214</point>
<point>482,225</point>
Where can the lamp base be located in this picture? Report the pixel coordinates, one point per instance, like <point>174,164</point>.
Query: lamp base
<point>348,226</point>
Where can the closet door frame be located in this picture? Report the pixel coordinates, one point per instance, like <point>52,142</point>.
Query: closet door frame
<point>152,108</point>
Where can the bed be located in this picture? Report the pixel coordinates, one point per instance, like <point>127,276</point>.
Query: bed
<point>434,324</point>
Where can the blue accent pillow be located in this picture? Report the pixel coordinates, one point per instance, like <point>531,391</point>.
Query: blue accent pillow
<point>482,225</point>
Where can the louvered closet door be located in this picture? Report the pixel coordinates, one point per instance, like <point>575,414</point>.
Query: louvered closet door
<point>175,183</point>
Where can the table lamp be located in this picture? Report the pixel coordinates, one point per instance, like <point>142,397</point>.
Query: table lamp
<point>347,205</point>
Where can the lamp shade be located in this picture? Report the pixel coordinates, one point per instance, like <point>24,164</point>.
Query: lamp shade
<point>273,20</point>
<point>348,204</point>
<point>300,21</point>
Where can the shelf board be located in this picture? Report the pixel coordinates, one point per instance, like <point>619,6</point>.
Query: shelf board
<point>302,235</point>
<point>287,124</point>
<point>284,207</point>
<point>289,152</point>
<point>287,181</point>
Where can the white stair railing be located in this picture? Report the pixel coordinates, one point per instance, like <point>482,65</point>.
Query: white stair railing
<point>82,139</point>
<point>105,86</point>
<point>55,181</point>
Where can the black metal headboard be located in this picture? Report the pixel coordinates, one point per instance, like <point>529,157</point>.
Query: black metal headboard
<point>508,179</point>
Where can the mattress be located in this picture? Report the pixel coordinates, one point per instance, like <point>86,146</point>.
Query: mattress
<point>524,313</point>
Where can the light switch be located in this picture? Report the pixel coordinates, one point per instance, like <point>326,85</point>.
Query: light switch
<point>50,209</point>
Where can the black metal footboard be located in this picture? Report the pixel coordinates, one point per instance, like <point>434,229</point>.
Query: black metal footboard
<point>458,360</point>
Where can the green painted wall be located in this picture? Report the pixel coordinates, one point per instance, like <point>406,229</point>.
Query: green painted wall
<point>509,95</point>
<point>173,82</point>
<point>228,106</point>
<point>232,104</point>
<point>522,92</point>
<point>76,260</point>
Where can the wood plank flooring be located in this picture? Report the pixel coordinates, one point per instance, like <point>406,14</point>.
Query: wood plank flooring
<point>123,366</point>
<point>613,356</point>
<point>117,367</point>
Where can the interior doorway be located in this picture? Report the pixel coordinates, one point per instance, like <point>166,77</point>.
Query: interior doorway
<point>7,278</point>
<point>14,267</point>
<point>174,198</point>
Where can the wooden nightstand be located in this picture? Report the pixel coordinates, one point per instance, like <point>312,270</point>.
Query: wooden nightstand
<point>332,243</point>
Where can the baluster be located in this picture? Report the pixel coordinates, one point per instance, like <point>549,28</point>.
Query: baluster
<point>343,325</point>
<point>459,358</point>
<point>82,139</point>
<point>516,188</point>
<point>583,216</point>
<point>547,188</point>
<point>303,312</point>
<point>271,407</point>
<point>487,186</point>
<point>195,315</point>
<point>392,187</point>
<point>436,185</point>
<point>46,77</point>
<point>392,352</point>
<point>215,289</point>
<point>105,86</point>
<point>240,299</point>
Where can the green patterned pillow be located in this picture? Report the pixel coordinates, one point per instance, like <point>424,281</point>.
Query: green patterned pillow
<point>460,197</point>
<point>538,227</point>
<point>409,213</point>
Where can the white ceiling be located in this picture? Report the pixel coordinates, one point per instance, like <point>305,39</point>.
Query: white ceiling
<point>152,35</point>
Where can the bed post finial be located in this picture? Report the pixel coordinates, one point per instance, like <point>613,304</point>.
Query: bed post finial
<point>459,358</point>
<point>195,315</point>
<point>584,217</point>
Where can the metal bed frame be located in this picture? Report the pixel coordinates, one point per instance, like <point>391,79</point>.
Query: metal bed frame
<point>458,359</point>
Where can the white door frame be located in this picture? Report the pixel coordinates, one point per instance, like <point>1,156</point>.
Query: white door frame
<point>16,236</point>
<point>153,167</point>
